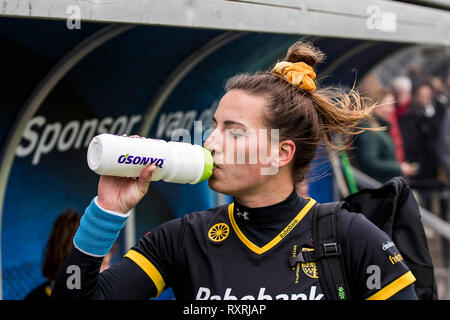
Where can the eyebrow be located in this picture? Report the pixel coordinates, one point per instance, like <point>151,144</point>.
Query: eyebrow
<point>230,122</point>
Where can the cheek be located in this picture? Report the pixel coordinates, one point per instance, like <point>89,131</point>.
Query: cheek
<point>245,172</point>
<point>236,178</point>
<point>242,163</point>
<point>251,150</point>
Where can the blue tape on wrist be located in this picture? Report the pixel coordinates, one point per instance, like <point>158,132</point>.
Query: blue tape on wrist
<point>98,230</point>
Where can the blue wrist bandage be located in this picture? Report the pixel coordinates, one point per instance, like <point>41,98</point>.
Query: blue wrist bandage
<point>98,230</point>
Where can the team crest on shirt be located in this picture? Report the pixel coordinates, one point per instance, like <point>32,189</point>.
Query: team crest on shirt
<point>219,232</point>
<point>310,268</point>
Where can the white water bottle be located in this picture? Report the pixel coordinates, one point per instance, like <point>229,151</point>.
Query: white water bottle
<point>121,156</point>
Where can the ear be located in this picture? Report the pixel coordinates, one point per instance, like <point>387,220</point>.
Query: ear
<point>286,152</point>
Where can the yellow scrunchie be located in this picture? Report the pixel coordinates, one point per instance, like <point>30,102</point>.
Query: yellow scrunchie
<point>299,74</point>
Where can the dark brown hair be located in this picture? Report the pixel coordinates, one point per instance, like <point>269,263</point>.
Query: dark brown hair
<point>308,118</point>
<point>59,243</point>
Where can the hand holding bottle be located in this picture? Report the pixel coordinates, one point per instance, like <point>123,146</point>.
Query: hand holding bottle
<point>128,164</point>
<point>122,194</point>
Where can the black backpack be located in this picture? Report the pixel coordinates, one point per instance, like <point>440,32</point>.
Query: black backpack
<point>391,207</point>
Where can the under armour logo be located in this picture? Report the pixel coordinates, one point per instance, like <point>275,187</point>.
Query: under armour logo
<point>243,215</point>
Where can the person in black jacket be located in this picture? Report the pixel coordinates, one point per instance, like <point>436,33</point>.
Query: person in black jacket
<point>420,130</point>
<point>241,250</point>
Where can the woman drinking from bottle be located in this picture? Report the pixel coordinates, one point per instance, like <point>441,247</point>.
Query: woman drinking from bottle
<point>241,250</point>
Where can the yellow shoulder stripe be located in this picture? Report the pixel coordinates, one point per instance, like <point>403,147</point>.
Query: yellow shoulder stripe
<point>148,268</point>
<point>394,287</point>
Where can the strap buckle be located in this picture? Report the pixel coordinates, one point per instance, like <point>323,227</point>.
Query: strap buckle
<point>297,259</point>
<point>302,256</point>
<point>330,249</point>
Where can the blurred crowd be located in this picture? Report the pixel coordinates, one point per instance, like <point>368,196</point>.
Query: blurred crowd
<point>415,111</point>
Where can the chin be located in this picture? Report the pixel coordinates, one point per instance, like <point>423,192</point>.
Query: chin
<point>219,186</point>
<point>215,185</point>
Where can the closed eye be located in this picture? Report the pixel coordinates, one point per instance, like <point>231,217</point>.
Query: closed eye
<point>237,132</point>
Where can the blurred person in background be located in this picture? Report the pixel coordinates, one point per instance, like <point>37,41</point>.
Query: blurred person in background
<point>420,128</point>
<point>387,97</point>
<point>442,96</point>
<point>444,175</point>
<point>440,93</point>
<point>372,90</point>
<point>370,86</point>
<point>58,246</point>
<point>444,145</point>
<point>447,83</point>
<point>375,151</point>
<point>402,91</point>
<point>414,74</point>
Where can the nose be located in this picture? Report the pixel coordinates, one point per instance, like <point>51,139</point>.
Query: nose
<point>212,144</point>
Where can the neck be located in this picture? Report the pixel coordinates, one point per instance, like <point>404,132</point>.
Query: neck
<point>267,196</point>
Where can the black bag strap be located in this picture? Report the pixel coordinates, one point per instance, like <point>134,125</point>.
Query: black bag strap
<point>328,251</point>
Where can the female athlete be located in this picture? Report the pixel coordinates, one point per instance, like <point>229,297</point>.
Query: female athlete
<point>241,250</point>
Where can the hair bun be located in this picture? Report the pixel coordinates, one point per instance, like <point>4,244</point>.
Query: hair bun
<point>304,52</point>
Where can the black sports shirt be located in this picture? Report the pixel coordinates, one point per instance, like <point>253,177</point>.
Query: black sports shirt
<point>225,253</point>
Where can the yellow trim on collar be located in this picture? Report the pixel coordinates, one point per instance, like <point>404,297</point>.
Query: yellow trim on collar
<point>394,287</point>
<point>48,291</point>
<point>278,238</point>
<point>148,268</point>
